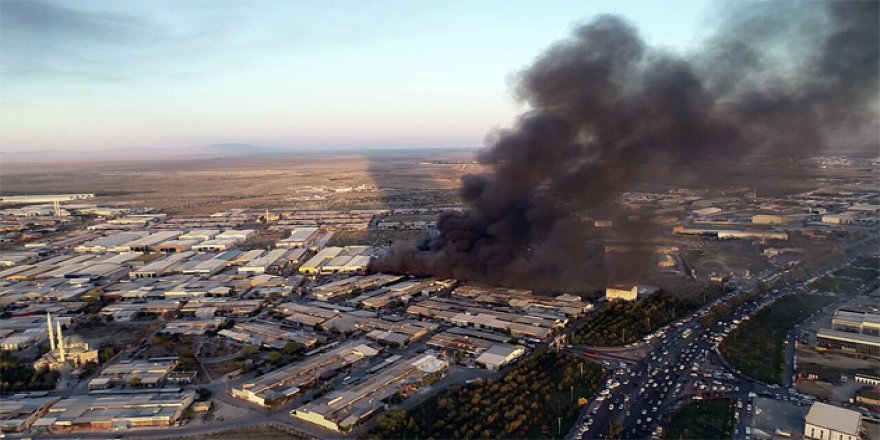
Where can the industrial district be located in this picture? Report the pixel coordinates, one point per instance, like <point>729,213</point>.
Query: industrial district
<point>127,321</point>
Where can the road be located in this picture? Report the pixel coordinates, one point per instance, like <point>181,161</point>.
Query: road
<point>651,380</point>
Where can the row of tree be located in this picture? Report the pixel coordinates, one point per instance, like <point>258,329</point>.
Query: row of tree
<point>623,322</point>
<point>531,401</point>
<point>16,375</point>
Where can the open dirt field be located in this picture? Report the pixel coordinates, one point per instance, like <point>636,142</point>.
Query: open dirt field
<point>312,181</point>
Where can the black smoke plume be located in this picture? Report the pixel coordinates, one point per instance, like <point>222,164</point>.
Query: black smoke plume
<point>607,109</point>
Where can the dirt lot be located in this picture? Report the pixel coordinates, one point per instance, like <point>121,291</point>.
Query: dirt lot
<point>844,364</point>
<point>836,374</point>
<point>247,434</point>
<point>396,178</point>
<point>101,334</point>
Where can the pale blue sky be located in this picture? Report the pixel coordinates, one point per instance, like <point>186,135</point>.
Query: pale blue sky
<point>304,74</point>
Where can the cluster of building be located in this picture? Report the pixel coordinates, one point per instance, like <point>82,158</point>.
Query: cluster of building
<point>628,292</point>
<point>149,373</point>
<point>336,259</point>
<point>510,311</point>
<point>270,335</point>
<point>28,327</point>
<point>289,381</point>
<point>855,329</point>
<point>740,214</point>
<point>94,412</point>
<point>344,409</point>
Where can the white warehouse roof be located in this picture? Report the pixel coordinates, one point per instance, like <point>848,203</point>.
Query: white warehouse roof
<point>834,418</point>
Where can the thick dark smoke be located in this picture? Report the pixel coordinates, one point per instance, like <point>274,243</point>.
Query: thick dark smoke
<point>608,109</point>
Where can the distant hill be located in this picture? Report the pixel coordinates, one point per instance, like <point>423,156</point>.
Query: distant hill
<point>142,153</point>
<point>213,151</point>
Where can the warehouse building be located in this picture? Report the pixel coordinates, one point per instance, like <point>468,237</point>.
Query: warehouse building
<point>261,264</point>
<point>768,219</point>
<point>215,245</point>
<point>856,322</point>
<point>347,286</point>
<point>500,355</point>
<point>838,219</point>
<point>269,336</point>
<point>848,342</point>
<point>342,410</point>
<point>287,381</point>
<point>144,244</point>
<point>150,373</point>
<point>300,237</point>
<point>623,292</point>
<point>236,234</point>
<point>111,243</point>
<point>828,422</point>
<point>45,198</point>
<point>116,412</point>
<point>200,234</point>
<point>18,413</point>
<point>461,313</point>
<point>337,259</point>
<point>729,234</point>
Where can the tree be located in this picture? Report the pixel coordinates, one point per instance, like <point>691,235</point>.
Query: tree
<point>204,394</point>
<point>107,353</point>
<point>274,357</point>
<point>250,350</point>
<point>292,348</point>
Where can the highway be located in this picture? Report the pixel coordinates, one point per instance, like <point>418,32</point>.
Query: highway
<point>651,380</point>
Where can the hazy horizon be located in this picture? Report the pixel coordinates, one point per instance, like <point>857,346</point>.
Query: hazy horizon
<point>103,75</point>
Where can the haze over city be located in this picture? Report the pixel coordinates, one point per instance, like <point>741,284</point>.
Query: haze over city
<point>390,220</point>
<point>390,74</point>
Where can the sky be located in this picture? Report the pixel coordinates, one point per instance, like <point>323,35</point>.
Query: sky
<point>86,75</point>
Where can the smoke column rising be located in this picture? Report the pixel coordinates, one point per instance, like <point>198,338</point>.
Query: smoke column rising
<point>774,79</point>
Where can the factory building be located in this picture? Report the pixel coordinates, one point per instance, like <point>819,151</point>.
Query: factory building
<point>828,422</point>
<point>47,198</point>
<point>725,234</point>
<point>200,234</point>
<point>215,245</point>
<point>342,410</point>
<point>18,413</point>
<point>300,237</point>
<point>856,322</point>
<point>287,381</point>
<point>624,292</point>
<point>838,219</point>
<point>144,244</point>
<point>847,342</point>
<point>337,259</point>
<point>500,355</point>
<point>150,373</point>
<point>768,219</point>
<point>111,243</point>
<point>269,336</point>
<point>116,412</point>
<point>347,286</point>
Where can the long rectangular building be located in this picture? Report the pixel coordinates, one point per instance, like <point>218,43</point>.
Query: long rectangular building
<point>288,381</point>
<point>848,342</point>
<point>341,410</point>
<point>116,411</point>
